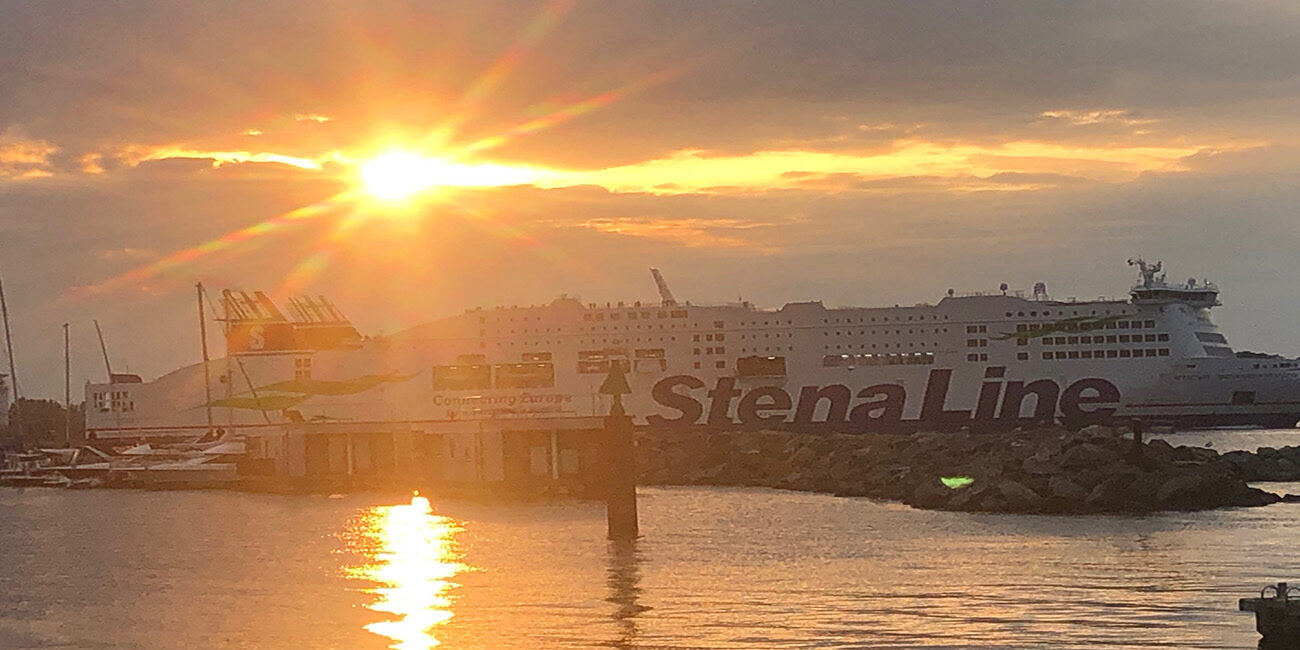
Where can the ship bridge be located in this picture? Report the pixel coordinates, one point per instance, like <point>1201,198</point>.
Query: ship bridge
<point>1153,289</point>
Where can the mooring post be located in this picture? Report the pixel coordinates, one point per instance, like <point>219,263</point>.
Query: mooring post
<point>620,487</point>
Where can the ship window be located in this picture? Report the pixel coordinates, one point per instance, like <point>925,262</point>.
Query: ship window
<point>1162,337</point>
<point>462,377</point>
<point>1072,340</point>
<point>971,329</point>
<point>1151,352</point>
<point>762,366</point>
<point>1211,337</point>
<point>1123,324</point>
<point>614,316</point>
<point>984,357</point>
<point>1074,354</point>
<point>972,357</point>
<point>1125,354</point>
<point>1022,356</point>
<point>1150,323</point>
<point>1060,340</point>
<point>971,343</point>
<point>718,323</point>
<point>535,356</point>
<point>1086,354</point>
<point>1085,339</point>
<point>1111,354</point>
<point>1020,341</point>
<point>1164,352</point>
<point>1123,338</point>
<point>1060,355</point>
<point>1110,338</point>
<point>1047,355</point>
<point>1240,397</point>
<point>697,365</point>
<point>720,364</point>
<point>525,375</point>
<point>695,351</point>
<point>720,337</point>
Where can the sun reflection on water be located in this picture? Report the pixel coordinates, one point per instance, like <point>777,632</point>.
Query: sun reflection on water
<point>411,557</point>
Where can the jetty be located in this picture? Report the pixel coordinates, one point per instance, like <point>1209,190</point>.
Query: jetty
<point>1277,615</point>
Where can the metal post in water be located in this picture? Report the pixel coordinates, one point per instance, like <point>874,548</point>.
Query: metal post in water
<point>620,488</point>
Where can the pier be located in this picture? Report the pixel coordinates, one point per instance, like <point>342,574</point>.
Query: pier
<point>1277,615</point>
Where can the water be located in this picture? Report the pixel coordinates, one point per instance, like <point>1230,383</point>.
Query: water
<point>718,568</point>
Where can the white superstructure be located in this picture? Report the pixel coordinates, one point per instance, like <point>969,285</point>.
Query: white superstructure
<point>990,360</point>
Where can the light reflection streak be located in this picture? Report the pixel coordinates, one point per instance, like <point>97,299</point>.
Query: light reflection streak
<point>411,559</point>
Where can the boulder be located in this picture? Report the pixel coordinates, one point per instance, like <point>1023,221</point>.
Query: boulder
<point>1061,487</point>
<point>1180,491</point>
<point>1087,455</point>
<point>1041,464</point>
<point>1020,498</point>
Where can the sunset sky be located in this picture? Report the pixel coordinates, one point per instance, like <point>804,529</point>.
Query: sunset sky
<point>855,152</point>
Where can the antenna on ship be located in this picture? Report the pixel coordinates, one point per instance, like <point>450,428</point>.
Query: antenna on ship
<point>665,293</point>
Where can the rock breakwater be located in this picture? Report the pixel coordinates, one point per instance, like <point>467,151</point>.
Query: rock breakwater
<point>1047,470</point>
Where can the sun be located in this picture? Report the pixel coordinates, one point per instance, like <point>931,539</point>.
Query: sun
<point>399,175</point>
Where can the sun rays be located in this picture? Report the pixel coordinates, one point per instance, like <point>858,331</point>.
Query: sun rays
<point>410,180</point>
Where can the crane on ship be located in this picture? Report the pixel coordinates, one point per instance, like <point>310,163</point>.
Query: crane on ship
<point>665,294</point>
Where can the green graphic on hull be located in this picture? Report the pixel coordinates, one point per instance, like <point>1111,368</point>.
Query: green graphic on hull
<point>1074,324</point>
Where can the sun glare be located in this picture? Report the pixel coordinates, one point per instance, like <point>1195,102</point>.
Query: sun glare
<point>398,175</point>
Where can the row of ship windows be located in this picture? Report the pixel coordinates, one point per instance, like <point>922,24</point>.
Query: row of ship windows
<point>1110,338</point>
<point>1021,314</point>
<point>1074,327</point>
<point>114,402</point>
<point>633,315</point>
<point>883,319</point>
<point>1106,354</point>
<point>885,332</point>
<point>885,359</point>
<point>863,346</point>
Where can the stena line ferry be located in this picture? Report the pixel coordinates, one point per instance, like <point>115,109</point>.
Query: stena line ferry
<point>981,361</point>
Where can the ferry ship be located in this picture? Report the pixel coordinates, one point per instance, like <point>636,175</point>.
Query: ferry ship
<point>990,360</point>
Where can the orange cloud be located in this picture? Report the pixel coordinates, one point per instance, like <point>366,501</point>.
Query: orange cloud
<point>688,232</point>
<point>1100,116</point>
<point>23,158</point>
<point>695,171</point>
<point>136,155</point>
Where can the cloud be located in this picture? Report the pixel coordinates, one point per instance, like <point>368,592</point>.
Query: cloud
<point>23,158</point>
<point>962,163</point>
<point>1103,116</point>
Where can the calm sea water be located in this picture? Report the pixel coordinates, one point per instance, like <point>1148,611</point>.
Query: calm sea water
<point>717,568</point>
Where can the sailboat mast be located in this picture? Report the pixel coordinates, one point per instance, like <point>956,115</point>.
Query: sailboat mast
<point>67,388</point>
<point>207,376</point>
<point>13,373</point>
